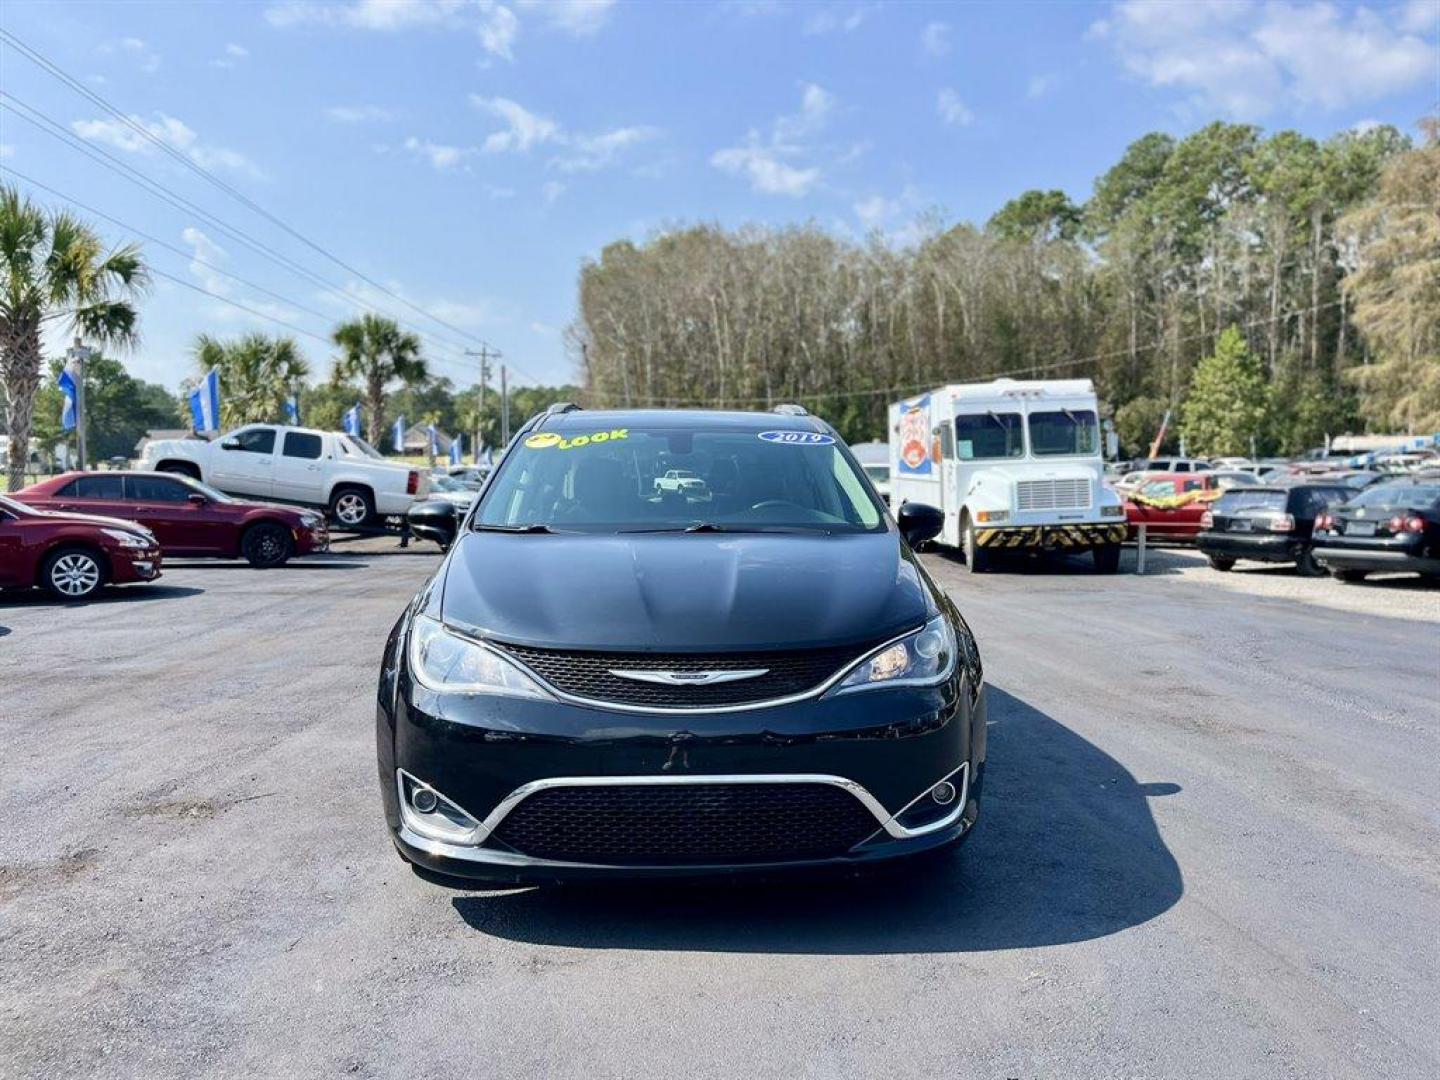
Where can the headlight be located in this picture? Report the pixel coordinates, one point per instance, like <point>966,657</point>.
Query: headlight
<point>923,658</point>
<point>128,539</point>
<point>310,521</point>
<point>447,662</point>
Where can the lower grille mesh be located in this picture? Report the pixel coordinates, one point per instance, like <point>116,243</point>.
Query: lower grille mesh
<point>658,824</point>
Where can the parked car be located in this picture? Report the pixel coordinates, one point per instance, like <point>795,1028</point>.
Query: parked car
<point>189,518</point>
<point>683,481</point>
<point>472,476</point>
<point>1387,527</point>
<point>603,681</point>
<point>1171,506</point>
<point>1268,523</point>
<point>72,555</point>
<point>341,473</point>
<point>1177,465</point>
<point>456,492</point>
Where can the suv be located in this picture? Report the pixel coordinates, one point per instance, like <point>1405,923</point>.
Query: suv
<point>1273,523</point>
<point>342,473</point>
<point>606,680</point>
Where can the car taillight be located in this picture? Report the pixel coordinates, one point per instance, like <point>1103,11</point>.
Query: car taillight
<point>412,483</point>
<point>1207,520</point>
<point>1400,524</point>
<point>1282,523</point>
<point>1322,522</point>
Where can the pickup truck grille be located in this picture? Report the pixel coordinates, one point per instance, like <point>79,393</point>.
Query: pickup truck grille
<point>1052,494</point>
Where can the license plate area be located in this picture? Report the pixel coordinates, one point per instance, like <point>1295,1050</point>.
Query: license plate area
<point>1241,525</point>
<point>1360,528</point>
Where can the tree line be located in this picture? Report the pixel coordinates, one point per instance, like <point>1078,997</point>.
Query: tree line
<point>1321,256</point>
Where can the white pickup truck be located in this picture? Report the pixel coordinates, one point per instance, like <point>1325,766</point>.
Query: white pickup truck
<point>344,474</point>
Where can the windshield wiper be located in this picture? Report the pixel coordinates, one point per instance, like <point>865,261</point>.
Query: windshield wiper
<point>532,527</point>
<point>720,527</point>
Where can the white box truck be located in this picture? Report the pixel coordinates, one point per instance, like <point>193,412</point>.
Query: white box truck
<point>1013,465</point>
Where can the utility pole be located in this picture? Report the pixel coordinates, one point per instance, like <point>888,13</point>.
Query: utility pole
<point>79,353</point>
<point>504,409</point>
<point>486,354</point>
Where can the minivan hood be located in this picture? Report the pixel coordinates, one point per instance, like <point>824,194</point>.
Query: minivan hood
<point>683,592</point>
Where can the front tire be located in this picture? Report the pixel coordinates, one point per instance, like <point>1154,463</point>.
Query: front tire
<point>1107,559</point>
<point>1350,575</point>
<point>352,507</point>
<point>72,574</point>
<point>1222,563</point>
<point>267,545</point>
<point>976,558</point>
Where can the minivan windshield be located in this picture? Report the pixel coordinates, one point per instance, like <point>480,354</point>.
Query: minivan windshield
<point>610,480</point>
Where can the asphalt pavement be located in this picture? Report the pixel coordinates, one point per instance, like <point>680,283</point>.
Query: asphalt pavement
<point>1209,847</point>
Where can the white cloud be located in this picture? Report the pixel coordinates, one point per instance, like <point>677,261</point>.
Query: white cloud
<point>952,110</point>
<point>1420,17</point>
<point>523,128</point>
<point>544,329</point>
<point>770,164</point>
<point>493,23</point>
<point>935,39</point>
<point>837,19</point>
<point>170,131</point>
<point>1246,59</point>
<point>440,156</point>
<point>237,51</point>
<point>551,190</point>
<point>578,17</point>
<point>207,256</point>
<point>765,171</point>
<point>592,152</point>
<point>361,114</point>
<point>136,49</point>
<point>1039,86</point>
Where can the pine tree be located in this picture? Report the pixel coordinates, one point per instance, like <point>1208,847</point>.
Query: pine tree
<point>1229,402</point>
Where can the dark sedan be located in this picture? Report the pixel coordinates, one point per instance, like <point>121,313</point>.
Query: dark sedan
<point>189,518</point>
<point>1393,526</point>
<point>1270,523</point>
<point>605,678</point>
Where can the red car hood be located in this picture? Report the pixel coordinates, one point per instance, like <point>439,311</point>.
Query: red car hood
<point>94,519</point>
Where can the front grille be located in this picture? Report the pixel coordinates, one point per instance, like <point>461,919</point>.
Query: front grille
<point>669,824</point>
<point>587,674</point>
<point>1052,494</point>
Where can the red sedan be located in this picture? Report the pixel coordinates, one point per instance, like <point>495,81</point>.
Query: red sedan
<point>72,555</point>
<point>188,517</point>
<point>1171,505</point>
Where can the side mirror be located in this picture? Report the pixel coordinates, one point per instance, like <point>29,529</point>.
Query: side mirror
<point>434,519</point>
<point>229,444</point>
<point>919,522</point>
<point>196,499</point>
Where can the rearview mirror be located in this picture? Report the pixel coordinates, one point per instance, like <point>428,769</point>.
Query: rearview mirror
<point>919,522</point>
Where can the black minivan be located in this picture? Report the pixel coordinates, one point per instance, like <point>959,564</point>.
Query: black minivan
<point>610,676</point>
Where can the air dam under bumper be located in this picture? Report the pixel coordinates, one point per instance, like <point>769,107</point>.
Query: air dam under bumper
<point>682,796</point>
<point>1051,537</point>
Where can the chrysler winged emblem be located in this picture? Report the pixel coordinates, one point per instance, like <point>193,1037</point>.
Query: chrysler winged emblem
<point>689,678</point>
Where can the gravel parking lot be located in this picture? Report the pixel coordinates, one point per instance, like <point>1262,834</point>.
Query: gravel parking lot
<point>1209,847</point>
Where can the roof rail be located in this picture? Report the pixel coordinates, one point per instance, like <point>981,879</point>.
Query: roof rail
<point>787,409</point>
<point>562,407</point>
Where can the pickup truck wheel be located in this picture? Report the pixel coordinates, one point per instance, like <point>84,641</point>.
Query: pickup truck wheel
<point>267,545</point>
<point>976,558</point>
<point>1107,558</point>
<point>352,507</point>
<point>179,468</point>
<point>72,574</point>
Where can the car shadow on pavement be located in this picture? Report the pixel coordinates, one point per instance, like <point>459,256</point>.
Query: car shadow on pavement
<point>1066,850</point>
<point>124,594</point>
<point>324,564</point>
<point>1158,562</point>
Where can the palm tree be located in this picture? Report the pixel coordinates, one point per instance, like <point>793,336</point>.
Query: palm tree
<point>55,269</point>
<point>257,374</point>
<point>377,352</point>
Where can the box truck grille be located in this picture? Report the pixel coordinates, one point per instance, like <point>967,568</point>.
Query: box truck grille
<point>1052,494</point>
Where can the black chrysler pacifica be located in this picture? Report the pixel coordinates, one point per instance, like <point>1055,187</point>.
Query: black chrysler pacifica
<point>679,643</point>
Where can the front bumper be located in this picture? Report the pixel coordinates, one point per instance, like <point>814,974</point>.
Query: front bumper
<point>131,565</point>
<point>1051,537</point>
<point>314,541</point>
<point>885,748</point>
<point>1259,547</point>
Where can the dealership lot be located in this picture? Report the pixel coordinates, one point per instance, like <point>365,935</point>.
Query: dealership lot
<point>1208,848</point>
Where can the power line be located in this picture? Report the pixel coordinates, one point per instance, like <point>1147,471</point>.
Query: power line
<point>40,60</point>
<point>47,125</point>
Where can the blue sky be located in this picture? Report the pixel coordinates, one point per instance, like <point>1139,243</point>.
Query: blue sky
<point>469,155</point>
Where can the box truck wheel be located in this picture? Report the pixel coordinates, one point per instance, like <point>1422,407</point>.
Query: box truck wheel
<point>976,558</point>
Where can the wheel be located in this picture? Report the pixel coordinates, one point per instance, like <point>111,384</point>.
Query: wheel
<point>72,574</point>
<point>976,559</point>
<point>1350,575</point>
<point>179,468</point>
<point>352,507</point>
<point>1221,562</point>
<point>1107,559</point>
<point>267,545</point>
<point>1306,566</point>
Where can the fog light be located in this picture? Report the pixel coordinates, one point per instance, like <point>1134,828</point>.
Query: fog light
<point>424,800</point>
<point>943,793</point>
